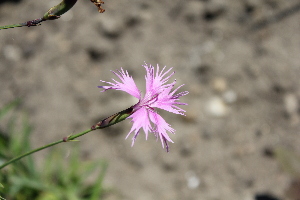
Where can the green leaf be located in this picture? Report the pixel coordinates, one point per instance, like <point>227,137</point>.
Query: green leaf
<point>2,198</point>
<point>25,141</point>
<point>97,187</point>
<point>8,107</point>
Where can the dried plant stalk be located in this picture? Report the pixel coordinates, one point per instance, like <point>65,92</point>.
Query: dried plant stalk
<point>98,4</point>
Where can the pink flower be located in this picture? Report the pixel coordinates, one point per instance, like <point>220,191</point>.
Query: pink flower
<point>159,94</point>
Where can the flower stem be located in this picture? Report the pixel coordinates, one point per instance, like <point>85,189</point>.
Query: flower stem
<point>109,121</point>
<point>69,138</point>
<point>11,26</point>
<point>53,13</point>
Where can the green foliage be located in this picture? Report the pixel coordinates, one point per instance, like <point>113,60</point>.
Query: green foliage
<point>59,178</point>
<point>289,161</point>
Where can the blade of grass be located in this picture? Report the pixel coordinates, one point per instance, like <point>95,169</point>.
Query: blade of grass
<point>26,132</point>
<point>8,107</point>
<point>29,182</point>
<point>97,188</point>
<point>14,146</point>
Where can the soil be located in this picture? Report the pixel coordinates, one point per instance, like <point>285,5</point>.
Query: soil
<point>238,59</point>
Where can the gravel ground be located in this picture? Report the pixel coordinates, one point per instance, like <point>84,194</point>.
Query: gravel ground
<point>238,59</point>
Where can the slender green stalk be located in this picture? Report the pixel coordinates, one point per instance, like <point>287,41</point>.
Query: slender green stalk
<point>53,13</point>
<point>109,121</point>
<point>11,26</point>
<point>70,138</point>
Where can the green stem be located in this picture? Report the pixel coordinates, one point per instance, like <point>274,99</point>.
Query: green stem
<point>109,121</point>
<point>11,26</point>
<point>53,13</point>
<point>70,138</point>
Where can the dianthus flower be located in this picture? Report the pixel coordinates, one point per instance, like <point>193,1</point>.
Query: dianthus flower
<point>158,94</point>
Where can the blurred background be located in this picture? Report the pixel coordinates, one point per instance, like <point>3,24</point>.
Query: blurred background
<point>238,59</point>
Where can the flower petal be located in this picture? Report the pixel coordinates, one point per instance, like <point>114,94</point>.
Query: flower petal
<point>140,120</point>
<point>161,128</point>
<point>168,101</point>
<point>155,81</point>
<point>127,84</point>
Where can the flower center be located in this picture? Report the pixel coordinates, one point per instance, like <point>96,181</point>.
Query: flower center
<point>147,101</point>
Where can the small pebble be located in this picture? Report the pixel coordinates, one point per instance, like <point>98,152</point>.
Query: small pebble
<point>12,52</point>
<point>219,84</point>
<point>216,107</point>
<point>291,103</point>
<point>230,96</point>
<point>192,180</point>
